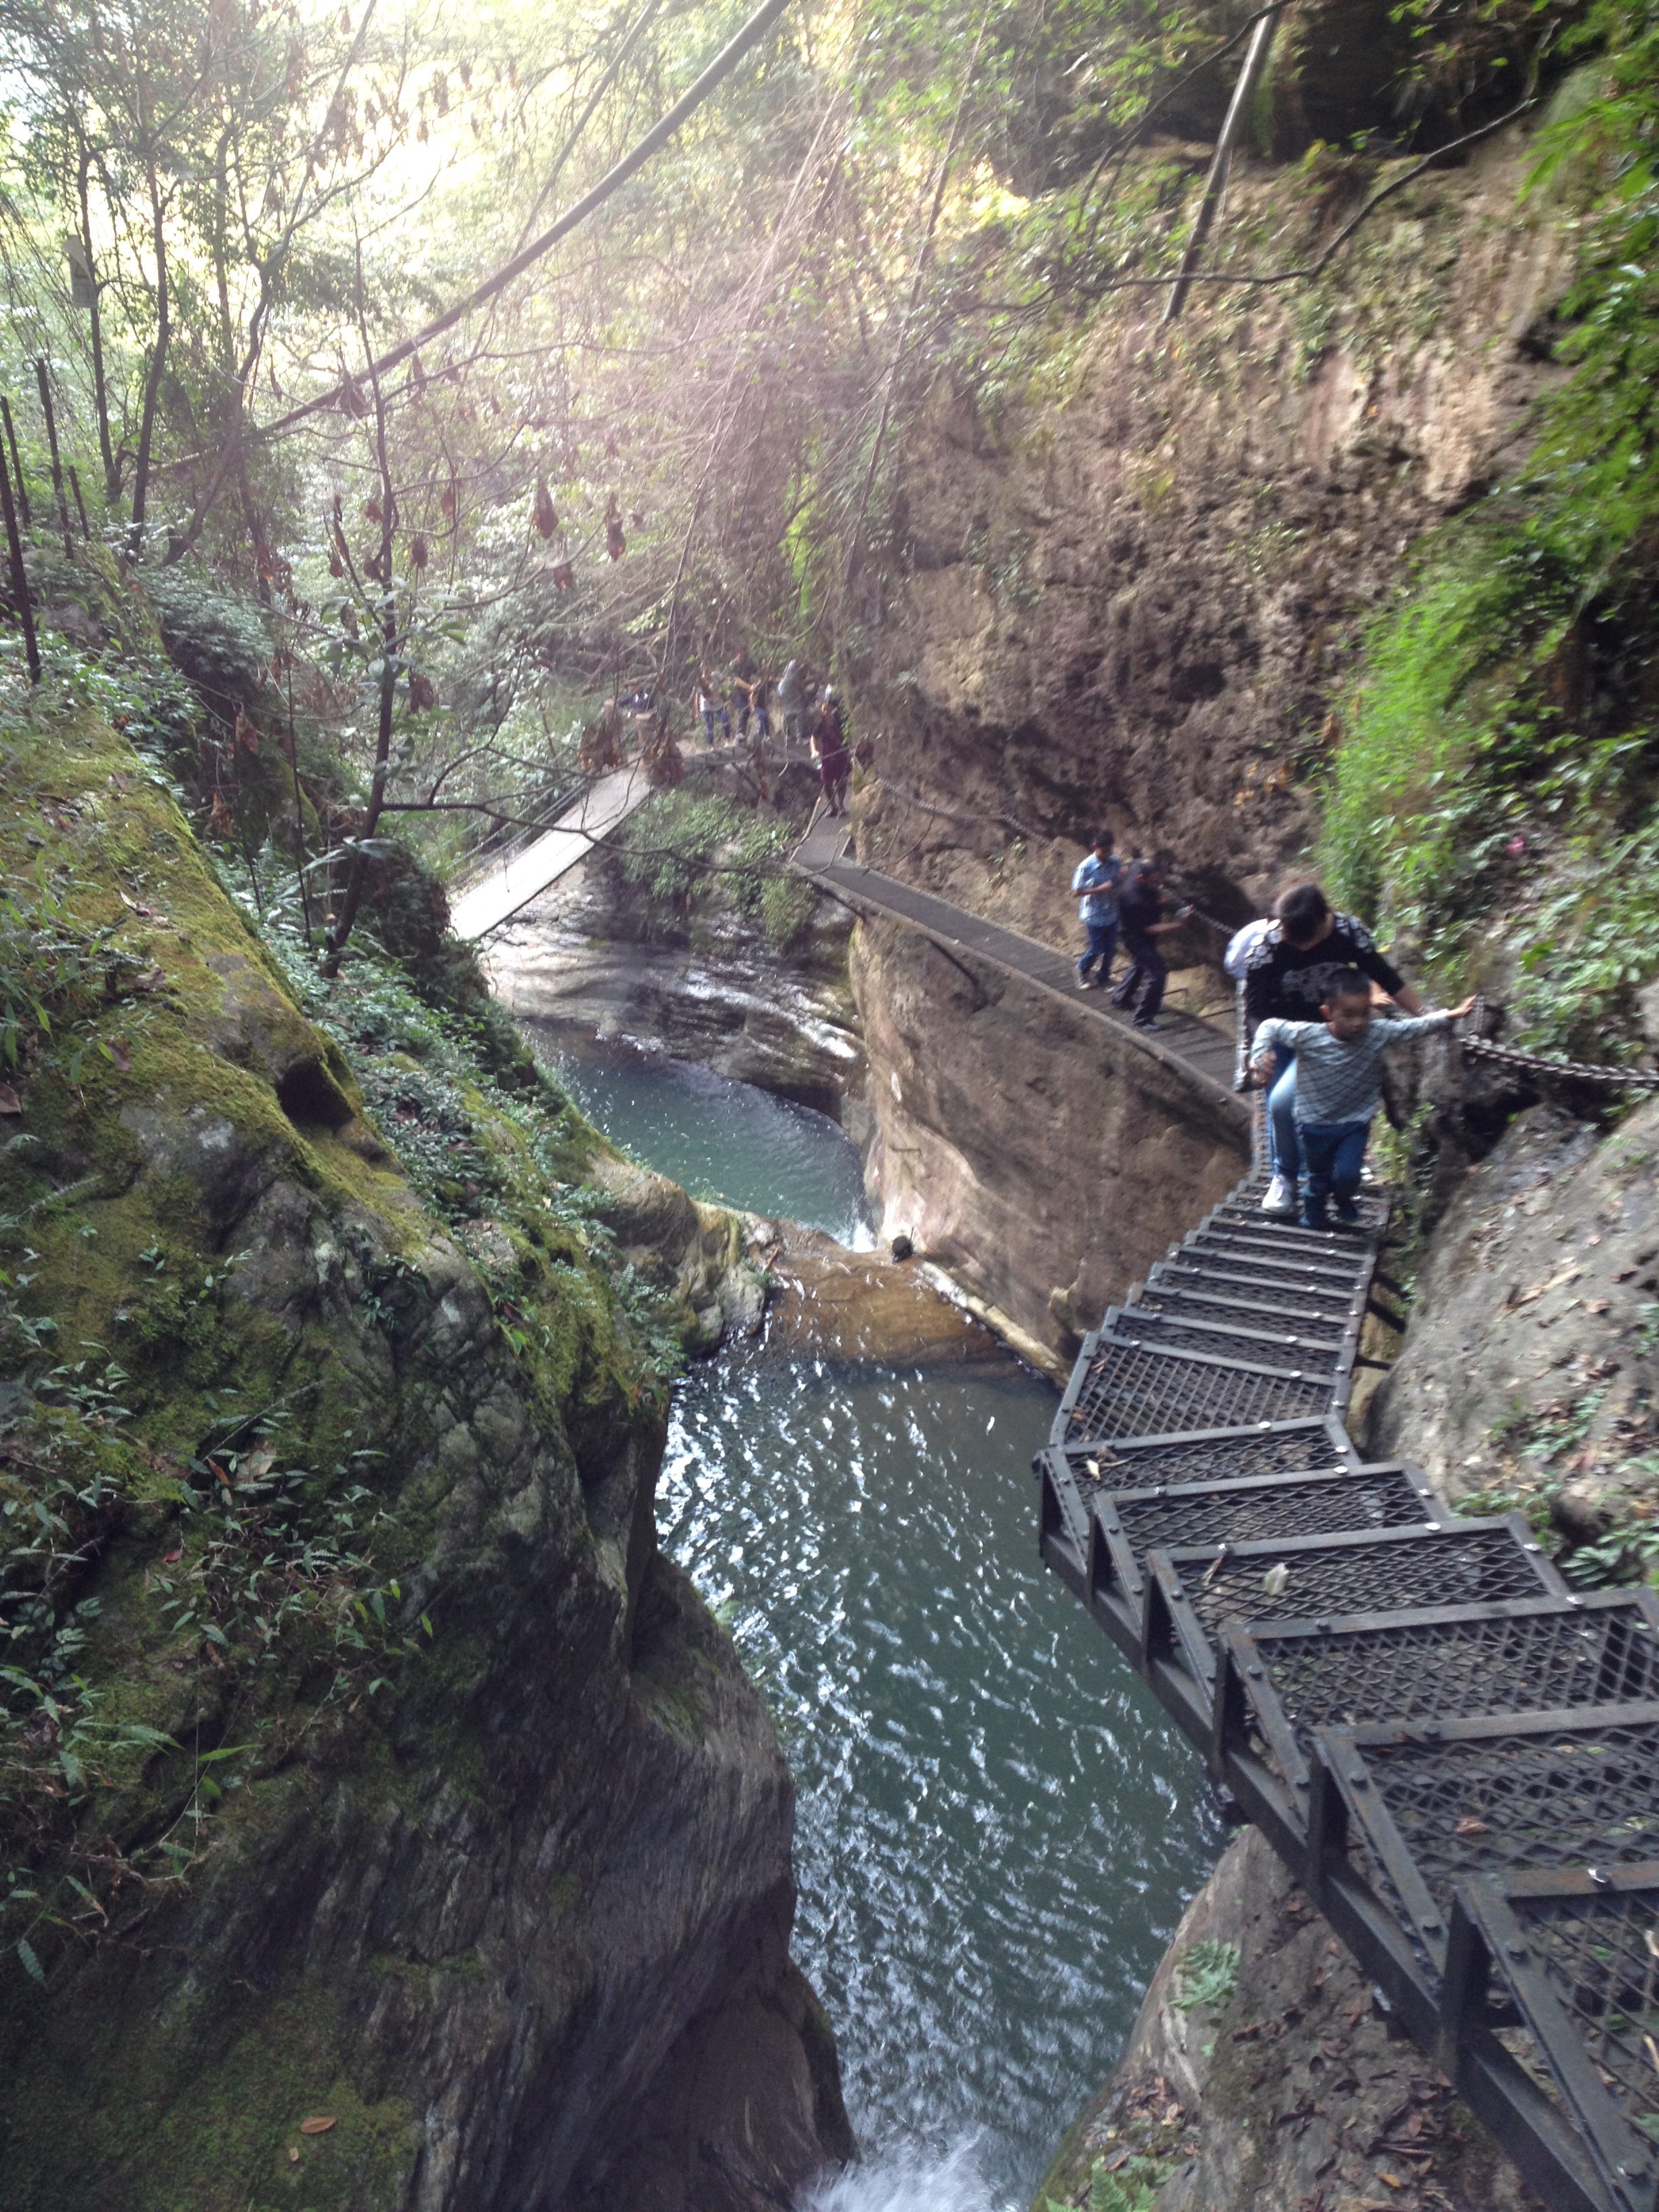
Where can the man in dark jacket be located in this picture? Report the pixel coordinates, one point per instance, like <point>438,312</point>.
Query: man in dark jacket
<point>1289,977</point>
<point>1140,907</point>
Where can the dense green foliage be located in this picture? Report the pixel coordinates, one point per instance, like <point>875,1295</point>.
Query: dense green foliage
<point>1503,757</point>
<point>683,849</point>
<point>204,1541</point>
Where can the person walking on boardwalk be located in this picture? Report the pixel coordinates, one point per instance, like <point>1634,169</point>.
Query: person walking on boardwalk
<point>1339,1084</point>
<point>760,698</point>
<point>1096,880</point>
<point>792,702</point>
<point>711,706</point>
<point>1140,907</point>
<point>742,680</point>
<point>1287,977</point>
<point>829,752</point>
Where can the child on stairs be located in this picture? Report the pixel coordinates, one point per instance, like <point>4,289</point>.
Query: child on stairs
<point>1339,1086</point>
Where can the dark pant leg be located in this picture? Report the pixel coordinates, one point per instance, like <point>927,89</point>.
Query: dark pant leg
<point>1142,988</point>
<point>1158,975</point>
<point>1333,1152</point>
<point>1102,945</point>
<point>1350,1161</point>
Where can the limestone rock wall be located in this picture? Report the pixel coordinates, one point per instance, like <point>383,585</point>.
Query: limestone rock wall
<point>1288,2095</point>
<point>1042,1161</point>
<point>1529,1364</point>
<point>1130,588</point>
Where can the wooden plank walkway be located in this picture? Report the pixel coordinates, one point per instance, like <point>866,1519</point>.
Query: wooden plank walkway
<point>507,885</point>
<point>1456,1755</point>
<point>1202,1055</point>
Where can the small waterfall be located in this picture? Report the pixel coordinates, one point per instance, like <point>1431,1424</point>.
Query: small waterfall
<point>909,2177</point>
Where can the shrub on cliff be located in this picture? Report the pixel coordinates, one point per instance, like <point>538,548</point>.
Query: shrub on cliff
<point>1504,749</point>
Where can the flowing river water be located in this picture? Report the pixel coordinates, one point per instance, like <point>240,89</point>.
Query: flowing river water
<point>996,1828</point>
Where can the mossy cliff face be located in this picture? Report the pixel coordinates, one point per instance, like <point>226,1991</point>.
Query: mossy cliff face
<point>396,1782</point>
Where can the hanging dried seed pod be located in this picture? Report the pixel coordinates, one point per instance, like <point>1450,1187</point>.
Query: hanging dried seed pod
<point>418,550</point>
<point>546,514</point>
<point>423,693</point>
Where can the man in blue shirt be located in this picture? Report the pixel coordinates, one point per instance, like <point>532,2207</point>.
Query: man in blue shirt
<point>1097,878</point>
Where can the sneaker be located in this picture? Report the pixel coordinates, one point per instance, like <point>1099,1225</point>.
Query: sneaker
<point>1141,1025</point>
<point>1280,1199</point>
<point>1310,1219</point>
<point>1084,982</point>
<point>1347,1211</point>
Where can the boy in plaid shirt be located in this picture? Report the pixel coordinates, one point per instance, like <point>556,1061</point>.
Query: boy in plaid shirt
<point>1339,1085</point>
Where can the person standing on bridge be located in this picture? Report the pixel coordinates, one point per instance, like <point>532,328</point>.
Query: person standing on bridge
<point>743,672</point>
<point>1339,1088</point>
<point>829,752</point>
<point>710,704</point>
<point>1288,978</point>
<point>792,703</point>
<point>1096,880</point>
<point>1141,904</point>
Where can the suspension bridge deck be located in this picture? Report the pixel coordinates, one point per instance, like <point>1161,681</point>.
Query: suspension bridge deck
<point>1456,1755</point>
<point>1203,1054</point>
<point>496,894</point>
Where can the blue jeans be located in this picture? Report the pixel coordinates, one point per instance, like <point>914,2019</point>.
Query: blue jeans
<point>1102,945</point>
<point>708,714</point>
<point>1282,1130</point>
<point>1335,1152</point>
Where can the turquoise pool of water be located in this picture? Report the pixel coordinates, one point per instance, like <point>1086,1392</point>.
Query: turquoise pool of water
<point>997,1828</point>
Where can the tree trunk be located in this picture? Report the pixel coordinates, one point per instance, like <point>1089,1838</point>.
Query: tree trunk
<point>1255,60</point>
<point>353,893</point>
<point>158,361</point>
<point>99,389</point>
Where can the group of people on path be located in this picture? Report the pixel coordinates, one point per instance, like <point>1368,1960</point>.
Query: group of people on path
<point>747,700</point>
<point>1310,979</point>
<point>1119,899</point>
